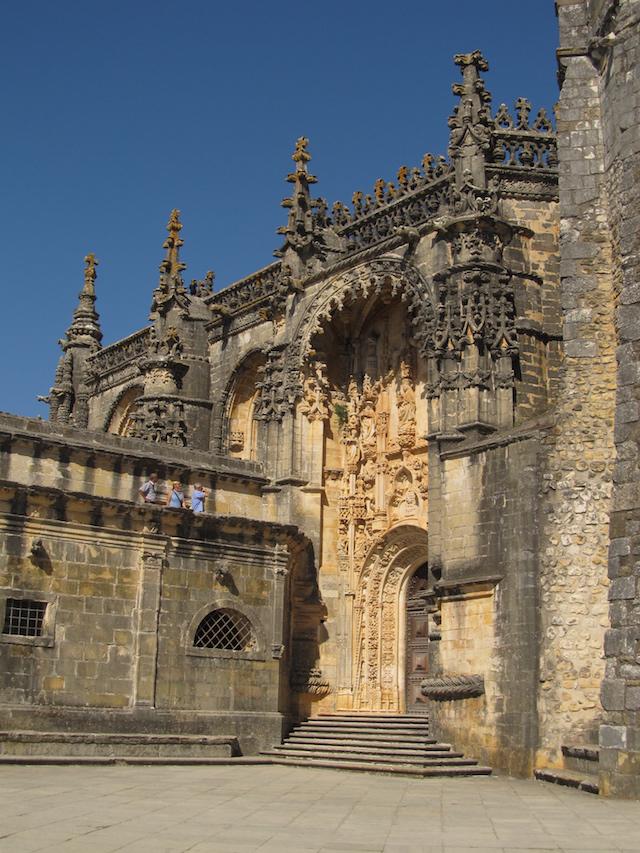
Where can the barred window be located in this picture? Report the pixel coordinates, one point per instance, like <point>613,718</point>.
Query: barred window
<point>24,617</point>
<point>225,629</point>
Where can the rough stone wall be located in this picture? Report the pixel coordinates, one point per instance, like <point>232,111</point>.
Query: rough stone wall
<point>617,57</point>
<point>534,258</point>
<point>579,451</point>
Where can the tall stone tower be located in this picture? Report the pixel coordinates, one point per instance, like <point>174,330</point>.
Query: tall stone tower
<point>599,183</point>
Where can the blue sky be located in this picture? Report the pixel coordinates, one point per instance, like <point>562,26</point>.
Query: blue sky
<point>116,112</point>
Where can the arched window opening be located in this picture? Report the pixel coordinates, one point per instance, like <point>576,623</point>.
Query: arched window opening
<point>240,426</point>
<point>225,629</point>
<point>122,419</point>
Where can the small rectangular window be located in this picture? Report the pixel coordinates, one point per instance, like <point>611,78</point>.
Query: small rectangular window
<point>24,617</point>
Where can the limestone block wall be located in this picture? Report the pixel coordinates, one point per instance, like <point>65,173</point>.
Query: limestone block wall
<point>211,680</point>
<point>122,610</point>
<point>534,252</point>
<point>488,549</point>
<point>617,61</point>
<point>580,450</point>
<point>86,656</point>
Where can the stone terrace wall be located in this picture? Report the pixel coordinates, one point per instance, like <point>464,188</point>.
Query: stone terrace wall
<point>126,585</point>
<point>75,461</point>
<point>122,611</point>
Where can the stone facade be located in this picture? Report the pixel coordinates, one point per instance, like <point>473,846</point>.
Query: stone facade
<point>406,424</point>
<point>599,141</point>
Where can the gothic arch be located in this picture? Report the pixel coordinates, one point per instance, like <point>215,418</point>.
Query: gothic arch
<point>242,377</point>
<point>378,638</point>
<point>117,419</point>
<point>371,278</point>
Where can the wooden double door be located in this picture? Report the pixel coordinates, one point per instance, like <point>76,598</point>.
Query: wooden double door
<point>418,610</point>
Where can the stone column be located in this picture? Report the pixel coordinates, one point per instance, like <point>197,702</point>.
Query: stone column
<point>146,616</point>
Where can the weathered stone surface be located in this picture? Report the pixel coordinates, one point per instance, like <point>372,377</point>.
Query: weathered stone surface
<point>407,427</point>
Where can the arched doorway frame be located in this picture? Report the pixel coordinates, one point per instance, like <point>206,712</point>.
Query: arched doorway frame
<point>379,625</point>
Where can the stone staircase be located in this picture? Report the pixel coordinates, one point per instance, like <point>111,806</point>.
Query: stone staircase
<point>580,770</point>
<point>373,742</point>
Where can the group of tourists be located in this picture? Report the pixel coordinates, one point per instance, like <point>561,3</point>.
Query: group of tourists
<point>175,498</point>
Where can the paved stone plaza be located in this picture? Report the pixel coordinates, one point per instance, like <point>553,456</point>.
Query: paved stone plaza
<point>100,809</point>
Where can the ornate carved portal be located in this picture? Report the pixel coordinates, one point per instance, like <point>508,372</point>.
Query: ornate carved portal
<point>379,619</point>
<point>369,402</point>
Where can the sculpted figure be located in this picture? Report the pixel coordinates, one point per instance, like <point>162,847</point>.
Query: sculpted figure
<point>368,425</point>
<point>406,406</point>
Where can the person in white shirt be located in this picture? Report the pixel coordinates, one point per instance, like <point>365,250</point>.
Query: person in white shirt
<point>148,490</point>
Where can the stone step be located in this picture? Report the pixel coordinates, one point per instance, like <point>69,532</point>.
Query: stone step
<point>357,746</point>
<point>317,723</point>
<point>409,740</point>
<point>375,743</point>
<point>103,744</point>
<point>399,769</point>
<point>569,778</point>
<point>368,730</point>
<point>402,719</point>
<point>445,758</point>
<point>582,758</point>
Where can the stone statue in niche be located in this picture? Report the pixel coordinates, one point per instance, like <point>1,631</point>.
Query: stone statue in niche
<point>368,472</point>
<point>368,417</point>
<point>406,408</point>
<point>368,430</point>
<point>405,502</point>
<point>353,397</point>
<point>315,402</point>
<point>352,443</point>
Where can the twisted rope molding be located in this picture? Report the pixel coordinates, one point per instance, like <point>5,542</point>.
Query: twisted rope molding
<point>447,687</point>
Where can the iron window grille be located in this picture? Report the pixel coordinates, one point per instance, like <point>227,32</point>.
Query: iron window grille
<point>225,629</point>
<point>24,617</point>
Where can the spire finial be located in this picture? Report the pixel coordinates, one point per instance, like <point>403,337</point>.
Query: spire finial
<point>172,265</point>
<point>84,330</point>
<point>301,156</point>
<point>305,218</point>
<point>90,274</point>
<point>471,120</point>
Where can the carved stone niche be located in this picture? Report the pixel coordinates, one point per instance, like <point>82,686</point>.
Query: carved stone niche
<point>444,688</point>
<point>236,440</point>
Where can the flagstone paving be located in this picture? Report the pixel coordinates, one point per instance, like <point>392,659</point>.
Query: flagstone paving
<point>271,808</point>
